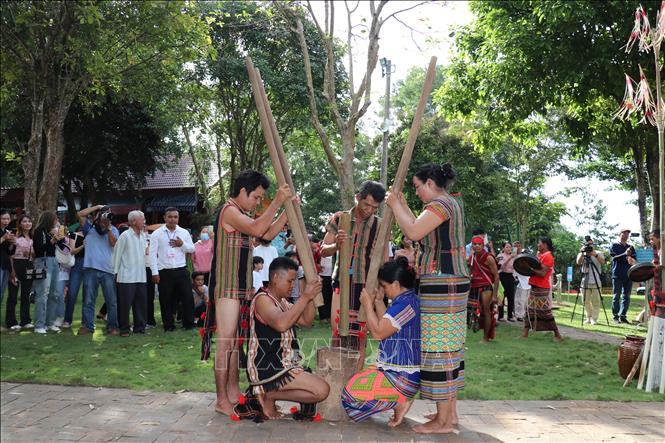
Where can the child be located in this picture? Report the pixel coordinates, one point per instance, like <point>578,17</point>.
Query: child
<point>200,294</point>
<point>256,274</point>
<point>299,285</point>
<point>395,379</point>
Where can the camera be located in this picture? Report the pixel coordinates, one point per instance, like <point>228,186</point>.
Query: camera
<point>587,245</point>
<point>103,215</point>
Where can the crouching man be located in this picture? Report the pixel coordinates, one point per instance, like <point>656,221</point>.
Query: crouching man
<point>274,363</point>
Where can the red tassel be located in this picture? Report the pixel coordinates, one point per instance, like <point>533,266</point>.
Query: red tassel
<point>336,319</point>
<point>337,312</point>
<point>201,331</point>
<point>235,418</point>
<point>317,417</point>
<point>242,400</point>
<point>244,324</point>
<point>203,316</point>
<point>241,340</point>
<point>335,332</point>
<point>294,409</point>
<point>361,334</point>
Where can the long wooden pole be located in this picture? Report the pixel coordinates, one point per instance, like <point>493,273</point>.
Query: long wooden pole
<point>344,277</point>
<point>378,253</point>
<point>645,355</point>
<point>302,242</point>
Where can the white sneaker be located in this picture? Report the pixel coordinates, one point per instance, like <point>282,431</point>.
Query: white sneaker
<point>593,322</point>
<point>16,328</point>
<point>40,331</point>
<point>587,321</point>
<point>65,325</point>
<point>53,328</point>
<point>58,322</point>
<point>28,326</point>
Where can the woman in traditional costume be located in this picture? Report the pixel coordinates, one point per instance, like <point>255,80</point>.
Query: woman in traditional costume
<point>539,303</point>
<point>392,383</point>
<point>443,290</point>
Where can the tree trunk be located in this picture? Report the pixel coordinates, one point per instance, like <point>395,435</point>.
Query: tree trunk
<point>55,151</point>
<point>218,148</point>
<point>642,189</point>
<point>202,182</point>
<point>653,175</point>
<point>32,159</point>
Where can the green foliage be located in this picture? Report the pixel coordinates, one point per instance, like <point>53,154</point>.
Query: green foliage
<point>560,60</point>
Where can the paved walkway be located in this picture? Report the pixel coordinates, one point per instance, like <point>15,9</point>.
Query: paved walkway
<point>63,413</point>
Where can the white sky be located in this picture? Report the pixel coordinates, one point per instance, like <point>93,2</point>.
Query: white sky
<point>406,48</point>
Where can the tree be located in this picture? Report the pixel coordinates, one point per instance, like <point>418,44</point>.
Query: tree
<point>111,147</point>
<point>590,216</point>
<point>347,114</point>
<point>523,59</point>
<point>53,52</point>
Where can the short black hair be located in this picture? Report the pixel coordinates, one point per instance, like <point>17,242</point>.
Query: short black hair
<point>375,189</point>
<point>197,274</point>
<point>281,264</point>
<point>290,254</point>
<point>442,175</point>
<point>264,241</point>
<point>257,259</point>
<point>170,209</point>
<point>400,271</point>
<point>478,231</point>
<point>4,211</point>
<point>655,232</point>
<point>250,180</point>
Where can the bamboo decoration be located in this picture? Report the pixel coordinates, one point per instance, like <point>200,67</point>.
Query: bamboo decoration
<point>293,213</point>
<point>633,370</point>
<point>378,252</point>
<point>344,277</point>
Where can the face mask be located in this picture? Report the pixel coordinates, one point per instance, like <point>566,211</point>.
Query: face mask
<point>205,237</point>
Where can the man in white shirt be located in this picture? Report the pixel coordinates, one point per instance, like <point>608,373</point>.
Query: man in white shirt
<point>168,264</point>
<point>130,272</point>
<point>268,252</point>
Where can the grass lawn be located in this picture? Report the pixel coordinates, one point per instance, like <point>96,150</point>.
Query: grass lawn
<point>533,369</point>
<point>565,310</point>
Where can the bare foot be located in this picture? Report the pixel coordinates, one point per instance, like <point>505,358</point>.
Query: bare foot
<point>558,339</point>
<point>431,416</point>
<point>483,341</point>
<point>269,408</point>
<point>433,427</point>
<point>234,395</point>
<point>454,421</point>
<point>399,412</point>
<point>225,408</point>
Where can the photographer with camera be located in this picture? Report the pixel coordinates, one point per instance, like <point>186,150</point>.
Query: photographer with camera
<point>590,261</point>
<point>100,239</point>
<point>622,259</point>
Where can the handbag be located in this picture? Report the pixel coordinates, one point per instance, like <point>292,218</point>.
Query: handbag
<point>35,274</point>
<point>64,256</point>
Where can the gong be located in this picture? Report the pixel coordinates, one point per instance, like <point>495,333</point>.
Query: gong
<point>524,262</point>
<point>641,272</point>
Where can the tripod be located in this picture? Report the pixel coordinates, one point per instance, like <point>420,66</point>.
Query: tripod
<point>589,267</point>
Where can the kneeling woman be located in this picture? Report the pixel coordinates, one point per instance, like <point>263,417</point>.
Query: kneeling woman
<point>395,379</point>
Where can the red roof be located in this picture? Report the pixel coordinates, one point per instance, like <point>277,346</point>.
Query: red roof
<point>177,175</point>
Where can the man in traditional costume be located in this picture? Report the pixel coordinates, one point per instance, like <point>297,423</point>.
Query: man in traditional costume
<point>364,228</point>
<point>231,274</point>
<point>274,364</point>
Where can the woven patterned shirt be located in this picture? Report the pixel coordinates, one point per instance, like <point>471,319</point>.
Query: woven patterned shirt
<point>363,236</point>
<point>231,275</point>
<point>442,250</point>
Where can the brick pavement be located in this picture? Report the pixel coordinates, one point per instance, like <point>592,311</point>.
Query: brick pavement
<point>30,412</point>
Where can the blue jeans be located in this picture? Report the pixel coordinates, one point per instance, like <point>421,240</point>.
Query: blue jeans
<point>4,281</point>
<point>75,279</point>
<point>621,288</point>
<point>92,279</point>
<point>46,292</point>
